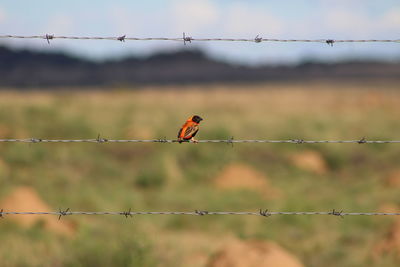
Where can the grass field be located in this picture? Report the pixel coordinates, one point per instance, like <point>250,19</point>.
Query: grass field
<point>116,177</point>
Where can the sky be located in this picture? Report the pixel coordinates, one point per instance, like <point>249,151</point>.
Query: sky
<point>290,19</point>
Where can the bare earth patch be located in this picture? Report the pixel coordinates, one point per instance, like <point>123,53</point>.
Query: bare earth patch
<point>27,199</point>
<point>393,179</point>
<point>390,243</point>
<point>189,248</point>
<point>241,176</point>
<point>253,254</point>
<point>197,249</point>
<point>310,160</point>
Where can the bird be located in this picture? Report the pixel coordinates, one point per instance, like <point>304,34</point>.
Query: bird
<point>189,129</point>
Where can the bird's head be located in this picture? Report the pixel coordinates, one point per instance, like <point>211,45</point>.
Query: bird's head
<point>196,119</point>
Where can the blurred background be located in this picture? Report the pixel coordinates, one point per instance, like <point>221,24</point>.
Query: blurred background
<point>75,89</point>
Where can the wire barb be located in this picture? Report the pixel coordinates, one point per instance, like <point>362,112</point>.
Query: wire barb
<point>1,214</point>
<point>187,39</point>
<point>258,39</point>
<point>162,140</point>
<point>337,213</point>
<point>362,141</point>
<point>127,213</point>
<point>264,213</point>
<point>330,42</point>
<point>201,212</point>
<point>230,141</point>
<point>121,38</point>
<point>49,37</point>
<point>63,213</point>
<point>35,140</point>
<point>101,140</point>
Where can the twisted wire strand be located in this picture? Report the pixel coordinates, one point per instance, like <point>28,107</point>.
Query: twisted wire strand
<point>228,141</point>
<point>261,212</point>
<point>189,39</point>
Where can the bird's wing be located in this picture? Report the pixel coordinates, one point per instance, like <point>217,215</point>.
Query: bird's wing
<point>194,134</point>
<point>190,131</point>
<point>180,132</point>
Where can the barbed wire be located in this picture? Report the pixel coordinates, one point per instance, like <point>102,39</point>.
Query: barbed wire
<point>261,212</point>
<point>228,141</point>
<point>188,39</point>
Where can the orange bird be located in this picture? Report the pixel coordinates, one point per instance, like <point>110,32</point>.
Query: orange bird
<point>189,129</point>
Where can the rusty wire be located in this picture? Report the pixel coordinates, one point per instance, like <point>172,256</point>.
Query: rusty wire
<point>188,39</point>
<point>228,141</point>
<point>261,212</point>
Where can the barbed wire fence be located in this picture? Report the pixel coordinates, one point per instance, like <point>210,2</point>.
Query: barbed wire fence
<point>227,141</point>
<point>261,212</point>
<point>188,39</point>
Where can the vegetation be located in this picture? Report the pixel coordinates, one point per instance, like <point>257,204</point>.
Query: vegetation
<point>116,177</point>
<point>55,70</point>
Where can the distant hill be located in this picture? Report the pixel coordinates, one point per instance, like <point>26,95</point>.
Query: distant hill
<point>28,69</point>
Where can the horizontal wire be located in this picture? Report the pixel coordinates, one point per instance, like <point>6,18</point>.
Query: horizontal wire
<point>261,212</point>
<point>189,39</point>
<point>228,141</point>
